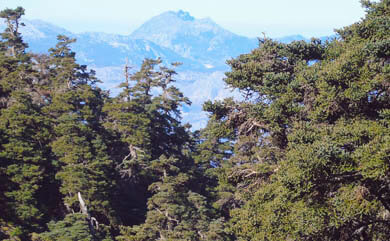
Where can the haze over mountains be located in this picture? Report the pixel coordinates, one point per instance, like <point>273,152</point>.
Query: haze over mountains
<point>200,44</point>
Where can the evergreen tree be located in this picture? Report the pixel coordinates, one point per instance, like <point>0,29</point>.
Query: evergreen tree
<point>257,126</point>
<point>24,153</point>
<point>215,147</point>
<point>24,158</point>
<point>312,136</point>
<point>129,124</point>
<point>145,117</point>
<point>12,39</point>
<point>73,227</point>
<point>79,144</point>
<point>174,211</point>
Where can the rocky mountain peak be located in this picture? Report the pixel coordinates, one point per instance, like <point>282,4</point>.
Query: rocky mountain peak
<point>185,16</point>
<point>200,40</point>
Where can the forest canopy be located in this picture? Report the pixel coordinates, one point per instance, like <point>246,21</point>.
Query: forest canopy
<point>303,155</point>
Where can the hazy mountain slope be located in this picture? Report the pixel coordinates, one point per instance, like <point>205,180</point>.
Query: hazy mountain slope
<point>199,39</point>
<point>39,34</point>
<point>100,49</point>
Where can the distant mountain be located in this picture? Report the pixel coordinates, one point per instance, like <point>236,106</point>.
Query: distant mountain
<point>197,39</point>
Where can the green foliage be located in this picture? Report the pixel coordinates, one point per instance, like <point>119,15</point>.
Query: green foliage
<point>83,161</point>
<point>25,156</point>
<point>174,211</point>
<point>25,133</point>
<point>310,160</point>
<point>51,139</point>
<point>73,228</point>
<point>304,155</point>
<point>13,43</point>
<point>147,126</point>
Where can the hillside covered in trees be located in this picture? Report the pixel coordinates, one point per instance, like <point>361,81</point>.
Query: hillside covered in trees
<point>303,155</point>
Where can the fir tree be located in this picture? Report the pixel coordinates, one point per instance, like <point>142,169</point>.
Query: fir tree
<point>174,211</point>
<point>12,39</point>
<point>25,156</point>
<point>145,117</point>
<point>79,144</point>
<point>310,156</point>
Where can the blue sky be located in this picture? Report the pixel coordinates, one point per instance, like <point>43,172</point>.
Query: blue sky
<point>245,17</point>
